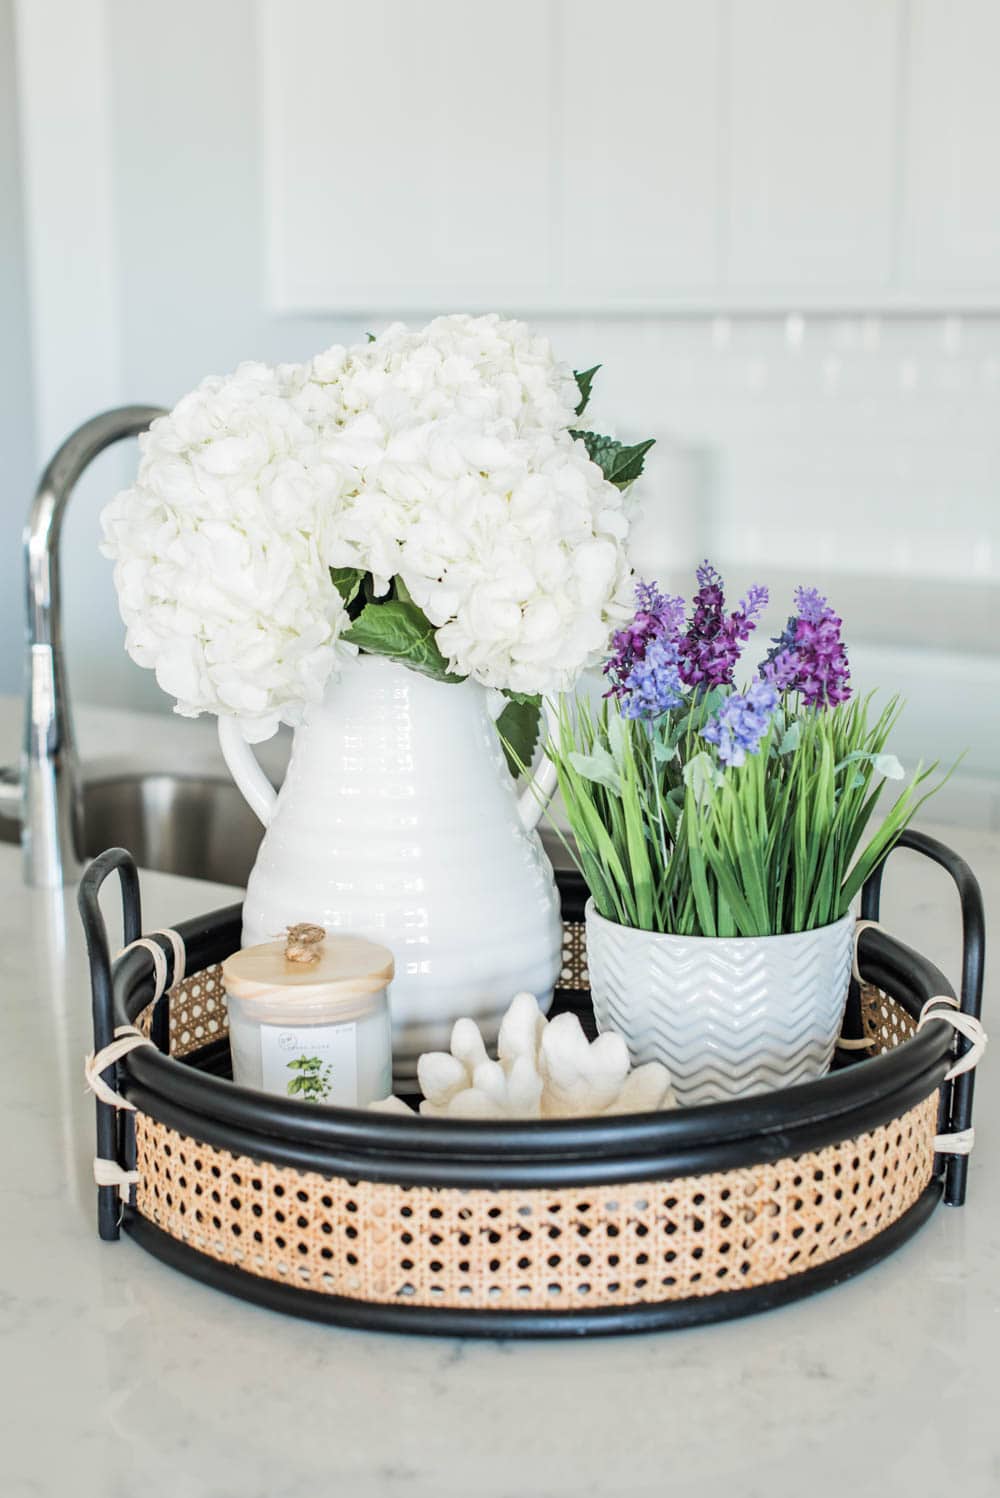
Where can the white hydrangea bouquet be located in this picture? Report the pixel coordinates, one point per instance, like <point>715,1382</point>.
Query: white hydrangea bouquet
<point>426,496</point>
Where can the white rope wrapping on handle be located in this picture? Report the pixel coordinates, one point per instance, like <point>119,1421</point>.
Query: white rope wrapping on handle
<point>860,926</point>
<point>127,1038</point>
<point>159,957</point>
<point>962,1141</point>
<point>110,1173</point>
<point>959,1143</point>
<point>866,1042</point>
<point>964,1024</point>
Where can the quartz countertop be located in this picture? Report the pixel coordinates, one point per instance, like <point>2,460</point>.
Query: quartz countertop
<point>121,1377</point>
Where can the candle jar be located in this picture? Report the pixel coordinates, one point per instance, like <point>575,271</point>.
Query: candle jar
<point>309,1019</point>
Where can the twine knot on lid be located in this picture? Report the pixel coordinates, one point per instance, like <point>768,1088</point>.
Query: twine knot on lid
<point>302,942</point>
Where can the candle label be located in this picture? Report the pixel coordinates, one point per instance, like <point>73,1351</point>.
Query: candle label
<point>314,1063</point>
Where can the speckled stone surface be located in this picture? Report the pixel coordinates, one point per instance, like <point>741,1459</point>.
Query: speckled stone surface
<point>121,1378</point>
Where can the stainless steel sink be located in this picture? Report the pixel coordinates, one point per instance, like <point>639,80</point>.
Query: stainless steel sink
<point>198,826</point>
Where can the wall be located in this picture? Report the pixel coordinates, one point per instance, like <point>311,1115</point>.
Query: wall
<point>16,408</point>
<point>705,214</point>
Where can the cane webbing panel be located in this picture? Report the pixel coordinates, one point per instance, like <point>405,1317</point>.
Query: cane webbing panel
<point>885,1023</point>
<point>568,1248</point>
<point>574,972</point>
<point>198,1013</point>
<point>197,1006</point>
<point>534,1249</point>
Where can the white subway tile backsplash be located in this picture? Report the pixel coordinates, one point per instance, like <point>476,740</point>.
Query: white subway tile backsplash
<point>867,444</point>
<point>859,453</point>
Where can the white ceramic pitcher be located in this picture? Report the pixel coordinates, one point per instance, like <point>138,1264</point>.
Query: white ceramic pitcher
<point>398,820</point>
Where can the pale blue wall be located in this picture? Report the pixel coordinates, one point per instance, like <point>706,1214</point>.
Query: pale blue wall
<point>17,459</point>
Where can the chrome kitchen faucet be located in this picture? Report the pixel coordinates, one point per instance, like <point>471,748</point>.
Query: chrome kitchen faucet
<point>49,784</point>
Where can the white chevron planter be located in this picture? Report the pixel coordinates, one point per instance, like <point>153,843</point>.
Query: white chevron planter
<point>728,1016</point>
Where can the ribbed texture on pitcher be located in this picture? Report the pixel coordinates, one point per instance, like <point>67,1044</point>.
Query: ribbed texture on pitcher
<point>398,821</point>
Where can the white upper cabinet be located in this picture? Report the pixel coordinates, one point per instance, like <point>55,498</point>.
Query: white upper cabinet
<point>811,88</point>
<point>601,155</point>
<point>637,143</point>
<point>407,152</point>
<point>951,168</point>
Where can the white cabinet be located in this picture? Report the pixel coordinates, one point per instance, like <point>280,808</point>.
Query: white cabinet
<point>647,155</point>
<point>540,156</point>
<point>407,152</point>
<point>637,139</point>
<point>811,91</point>
<point>951,167</point>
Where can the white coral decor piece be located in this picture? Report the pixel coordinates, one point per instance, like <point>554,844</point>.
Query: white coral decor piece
<point>545,1069</point>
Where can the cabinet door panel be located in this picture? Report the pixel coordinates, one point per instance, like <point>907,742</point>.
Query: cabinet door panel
<point>407,151</point>
<point>812,111</point>
<point>951,203</point>
<point>637,148</point>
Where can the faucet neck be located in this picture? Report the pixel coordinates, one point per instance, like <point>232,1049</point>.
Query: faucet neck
<point>51,833</point>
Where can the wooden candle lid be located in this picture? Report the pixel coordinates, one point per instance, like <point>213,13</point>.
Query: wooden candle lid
<point>345,967</point>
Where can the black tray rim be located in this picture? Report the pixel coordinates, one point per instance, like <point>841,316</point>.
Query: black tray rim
<point>494,1155</point>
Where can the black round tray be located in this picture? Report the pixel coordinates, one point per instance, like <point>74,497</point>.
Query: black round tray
<point>224,1167</point>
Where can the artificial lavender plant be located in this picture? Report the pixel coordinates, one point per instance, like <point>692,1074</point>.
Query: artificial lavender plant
<point>703,810</point>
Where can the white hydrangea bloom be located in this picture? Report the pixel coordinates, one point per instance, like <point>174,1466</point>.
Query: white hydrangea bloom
<point>219,554</point>
<point>468,486</point>
<point>441,457</point>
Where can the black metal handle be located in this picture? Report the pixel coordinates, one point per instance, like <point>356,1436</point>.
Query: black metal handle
<point>959,1109</point>
<point>96,934</point>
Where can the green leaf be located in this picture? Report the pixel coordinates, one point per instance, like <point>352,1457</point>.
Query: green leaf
<point>620,465</point>
<point>520,696</point>
<point>886,765</point>
<point>696,871</point>
<point>702,775</point>
<point>619,742</point>
<point>400,631</point>
<point>598,766</point>
<point>370,337</point>
<point>791,738</point>
<point>636,844</point>
<point>518,726</point>
<point>664,751</point>
<point>584,379</point>
<point>347,581</point>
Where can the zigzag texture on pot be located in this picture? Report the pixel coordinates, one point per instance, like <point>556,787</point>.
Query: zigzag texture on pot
<point>728,1016</point>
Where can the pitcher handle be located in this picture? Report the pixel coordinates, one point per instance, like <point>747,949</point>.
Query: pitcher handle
<point>536,796</point>
<point>254,786</point>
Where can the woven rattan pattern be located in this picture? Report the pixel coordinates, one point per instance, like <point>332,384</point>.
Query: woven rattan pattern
<point>884,1022</point>
<point>198,1012</point>
<point>574,972</point>
<point>650,1241</point>
<point>198,1004</point>
<point>644,1242</point>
